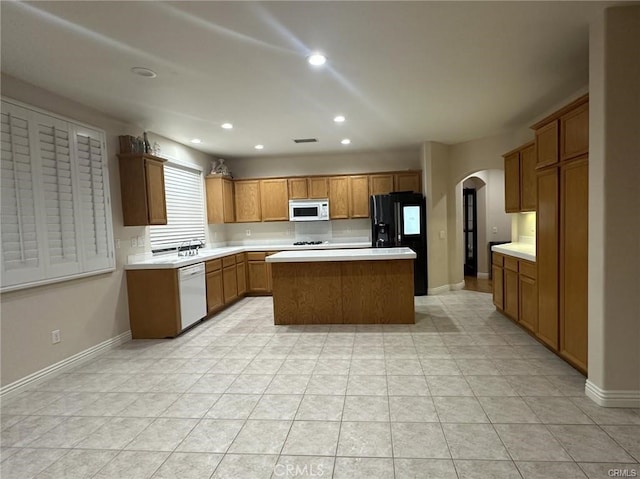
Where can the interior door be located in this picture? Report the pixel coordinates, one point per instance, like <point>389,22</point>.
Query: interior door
<point>470,232</point>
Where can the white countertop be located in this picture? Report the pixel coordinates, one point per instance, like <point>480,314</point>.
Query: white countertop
<point>519,250</point>
<point>365,254</point>
<point>174,261</point>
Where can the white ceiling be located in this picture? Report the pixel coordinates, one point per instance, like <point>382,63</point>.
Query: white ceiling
<point>401,72</point>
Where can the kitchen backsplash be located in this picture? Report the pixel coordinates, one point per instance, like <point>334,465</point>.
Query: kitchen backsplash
<point>285,232</point>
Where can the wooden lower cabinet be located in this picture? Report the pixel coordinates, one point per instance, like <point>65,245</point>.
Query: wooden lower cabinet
<point>528,303</point>
<point>511,293</point>
<point>241,274</point>
<point>258,274</point>
<point>497,273</point>
<point>230,283</point>
<point>514,289</point>
<point>547,233</point>
<point>154,303</point>
<point>574,233</point>
<point>215,296</point>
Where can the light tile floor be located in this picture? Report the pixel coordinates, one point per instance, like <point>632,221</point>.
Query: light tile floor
<point>463,393</point>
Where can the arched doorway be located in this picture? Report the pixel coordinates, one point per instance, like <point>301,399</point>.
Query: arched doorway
<point>473,231</point>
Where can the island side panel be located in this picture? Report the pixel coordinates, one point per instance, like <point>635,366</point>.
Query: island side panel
<point>307,293</point>
<point>378,292</point>
<point>154,309</point>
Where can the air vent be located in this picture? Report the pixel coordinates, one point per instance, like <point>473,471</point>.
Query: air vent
<point>305,140</point>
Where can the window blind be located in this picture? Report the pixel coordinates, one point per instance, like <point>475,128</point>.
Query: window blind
<point>185,208</point>
<point>56,213</point>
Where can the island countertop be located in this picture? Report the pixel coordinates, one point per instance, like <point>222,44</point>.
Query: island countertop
<point>363,254</point>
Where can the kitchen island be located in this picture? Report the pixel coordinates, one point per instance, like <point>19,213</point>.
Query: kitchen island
<point>364,286</point>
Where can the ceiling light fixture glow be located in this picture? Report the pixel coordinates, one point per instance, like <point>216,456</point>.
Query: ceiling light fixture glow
<point>227,126</point>
<point>196,141</point>
<point>317,59</point>
<point>144,72</point>
<point>259,147</point>
<point>346,141</point>
<point>339,119</point>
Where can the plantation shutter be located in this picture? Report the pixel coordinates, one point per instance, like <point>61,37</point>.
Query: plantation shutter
<point>58,184</point>
<point>185,208</point>
<point>55,210</point>
<point>21,256</point>
<point>93,198</point>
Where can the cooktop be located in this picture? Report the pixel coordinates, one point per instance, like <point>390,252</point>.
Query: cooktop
<point>300,243</point>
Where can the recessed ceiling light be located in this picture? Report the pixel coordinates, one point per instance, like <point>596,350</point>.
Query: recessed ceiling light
<point>316,59</point>
<point>196,141</point>
<point>259,147</point>
<point>227,126</point>
<point>345,141</point>
<point>144,72</point>
<point>339,119</point>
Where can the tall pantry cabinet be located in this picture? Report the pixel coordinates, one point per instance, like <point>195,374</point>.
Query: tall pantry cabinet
<point>562,177</point>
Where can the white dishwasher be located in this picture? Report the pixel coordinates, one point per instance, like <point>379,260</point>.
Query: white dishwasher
<point>193,294</point>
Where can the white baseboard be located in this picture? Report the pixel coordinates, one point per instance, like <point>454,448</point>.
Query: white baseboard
<point>483,276</point>
<point>438,290</point>
<point>47,373</point>
<point>445,288</point>
<point>604,398</point>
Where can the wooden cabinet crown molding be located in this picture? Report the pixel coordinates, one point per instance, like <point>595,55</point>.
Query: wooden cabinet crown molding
<point>557,114</point>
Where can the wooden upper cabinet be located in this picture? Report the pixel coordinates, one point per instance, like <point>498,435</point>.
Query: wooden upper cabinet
<point>512,182</point>
<point>274,197</point>
<point>339,197</point>
<point>547,144</point>
<point>409,181</point>
<point>528,178</point>
<point>380,184</point>
<point>358,196</point>
<point>520,179</point>
<point>298,189</point>
<point>220,204</point>
<point>574,133</point>
<point>247,201</point>
<point>318,187</point>
<point>142,189</point>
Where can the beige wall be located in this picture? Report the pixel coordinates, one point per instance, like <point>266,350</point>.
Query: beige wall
<point>330,164</point>
<point>86,311</point>
<point>614,205</point>
<point>436,172</point>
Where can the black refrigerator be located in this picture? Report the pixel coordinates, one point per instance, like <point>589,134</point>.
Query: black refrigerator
<point>399,219</point>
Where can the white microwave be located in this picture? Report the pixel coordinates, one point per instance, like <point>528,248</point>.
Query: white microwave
<point>308,210</point>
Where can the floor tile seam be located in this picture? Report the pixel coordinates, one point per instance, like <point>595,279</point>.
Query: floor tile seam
<point>502,397</point>
<point>49,465</point>
<point>124,448</point>
<point>629,453</point>
<point>557,439</point>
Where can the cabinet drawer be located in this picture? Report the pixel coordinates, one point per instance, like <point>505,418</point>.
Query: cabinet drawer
<point>228,261</point>
<point>528,269</point>
<point>511,263</point>
<point>240,258</point>
<point>498,259</point>
<point>255,256</point>
<point>213,265</point>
